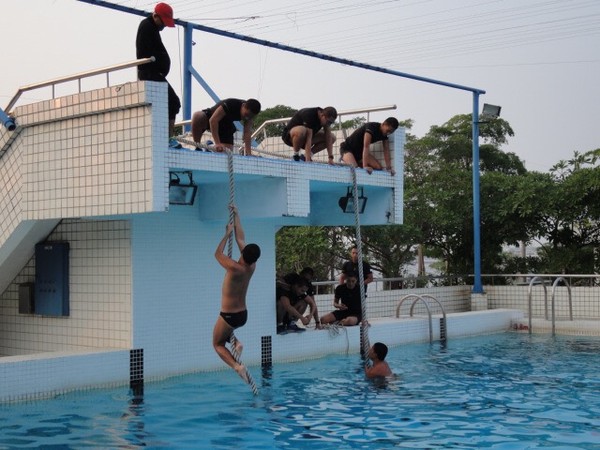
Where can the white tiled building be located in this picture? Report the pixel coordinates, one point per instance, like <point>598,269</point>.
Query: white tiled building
<point>92,170</point>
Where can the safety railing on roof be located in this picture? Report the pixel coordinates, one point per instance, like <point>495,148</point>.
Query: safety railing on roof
<point>263,147</point>
<point>78,76</point>
<point>350,112</point>
<point>277,149</point>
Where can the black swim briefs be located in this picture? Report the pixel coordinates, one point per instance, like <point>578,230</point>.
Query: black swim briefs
<point>235,319</point>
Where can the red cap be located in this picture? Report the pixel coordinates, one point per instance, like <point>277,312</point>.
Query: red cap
<point>165,12</point>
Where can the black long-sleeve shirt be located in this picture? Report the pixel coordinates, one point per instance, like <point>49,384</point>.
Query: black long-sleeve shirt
<point>148,43</point>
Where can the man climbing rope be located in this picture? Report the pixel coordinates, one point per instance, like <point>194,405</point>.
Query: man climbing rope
<point>233,293</point>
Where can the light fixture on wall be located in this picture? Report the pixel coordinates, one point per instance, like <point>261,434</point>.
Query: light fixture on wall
<point>347,202</point>
<point>182,191</point>
<point>490,112</point>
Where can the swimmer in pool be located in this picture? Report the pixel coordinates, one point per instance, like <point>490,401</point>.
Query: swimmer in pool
<point>233,293</point>
<point>380,368</point>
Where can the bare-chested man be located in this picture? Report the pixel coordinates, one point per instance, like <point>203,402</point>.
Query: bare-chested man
<point>233,294</point>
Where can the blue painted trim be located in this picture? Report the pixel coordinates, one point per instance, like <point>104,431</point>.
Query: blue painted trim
<point>187,77</point>
<point>288,48</point>
<point>204,84</point>
<point>477,285</point>
<point>7,121</point>
<point>210,92</point>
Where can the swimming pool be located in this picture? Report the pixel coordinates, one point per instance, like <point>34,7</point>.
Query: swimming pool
<point>506,391</point>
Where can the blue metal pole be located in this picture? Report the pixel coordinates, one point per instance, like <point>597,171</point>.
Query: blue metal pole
<point>204,84</point>
<point>187,76</point>
<point>477,286</point>
<point>212,93</point>
<point>288,48</point>
<point>7,121</point>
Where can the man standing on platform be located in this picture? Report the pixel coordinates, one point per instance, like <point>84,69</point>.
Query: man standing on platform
<point>148,43</point>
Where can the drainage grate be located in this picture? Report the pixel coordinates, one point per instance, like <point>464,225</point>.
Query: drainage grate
<point>136,371</point>
<point>266,351</point>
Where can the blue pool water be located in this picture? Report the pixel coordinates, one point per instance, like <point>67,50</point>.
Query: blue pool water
<point>507,391</point>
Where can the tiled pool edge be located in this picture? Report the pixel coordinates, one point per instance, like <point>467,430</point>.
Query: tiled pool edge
<point>73,371</point>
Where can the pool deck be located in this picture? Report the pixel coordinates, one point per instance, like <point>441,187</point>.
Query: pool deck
<point>562,326</point>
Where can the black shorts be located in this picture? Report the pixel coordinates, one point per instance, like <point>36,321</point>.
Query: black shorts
<point>287,138</point>
<point>226,129</point>
<point>236,319</point>
<point>341,314</point>
<point>344,150</point>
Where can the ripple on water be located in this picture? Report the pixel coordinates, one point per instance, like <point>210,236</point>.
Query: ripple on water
<point>503,392</point>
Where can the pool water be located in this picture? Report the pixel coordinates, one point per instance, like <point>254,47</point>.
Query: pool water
<point>506,391</point>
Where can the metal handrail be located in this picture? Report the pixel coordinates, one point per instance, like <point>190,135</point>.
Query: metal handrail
<point>559,279</point>
<point>529,291</point>
<point>412,307</point>
<point>77,76</point>
<point>340,114</point>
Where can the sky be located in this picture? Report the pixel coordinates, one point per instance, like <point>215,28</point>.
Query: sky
<point>538,59</point>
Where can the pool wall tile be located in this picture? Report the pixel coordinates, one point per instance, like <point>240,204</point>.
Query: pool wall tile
<point>29,378</point>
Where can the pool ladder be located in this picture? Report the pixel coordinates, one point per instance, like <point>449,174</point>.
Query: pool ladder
<point>423,297</point>
<point>554,285</point>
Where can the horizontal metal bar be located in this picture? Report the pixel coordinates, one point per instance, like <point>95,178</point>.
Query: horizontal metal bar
<point>347,112</point>
<point>77,76</point>
<point>288,48</point>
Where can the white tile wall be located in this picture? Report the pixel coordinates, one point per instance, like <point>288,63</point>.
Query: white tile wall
<point>100,295</point>
<point>11,188</point>
<point>88,154</point>
<point>53,374</point>
<point>585,300</point>
<point>177,290</point>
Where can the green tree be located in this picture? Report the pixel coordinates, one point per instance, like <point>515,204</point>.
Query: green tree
<point>276,112</point>
<point>570,232</point>
<point>561,213</point>
<point>438,192</point>
<point>387,248</point>
<point>355,122</point>
<point>318,247</point>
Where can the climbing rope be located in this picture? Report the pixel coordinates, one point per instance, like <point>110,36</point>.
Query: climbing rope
<point>364,327</point>
<point>335,329</point>
<point>231,200</point>
<point>233,339</point>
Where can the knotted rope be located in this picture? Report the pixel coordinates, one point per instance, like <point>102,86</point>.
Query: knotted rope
<point>233,339</point>
<point>364,327</point>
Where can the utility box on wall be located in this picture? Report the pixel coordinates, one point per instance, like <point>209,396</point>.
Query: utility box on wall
<point>52,279</point>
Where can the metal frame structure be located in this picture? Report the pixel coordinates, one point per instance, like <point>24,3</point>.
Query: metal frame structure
<point>189,71</point>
